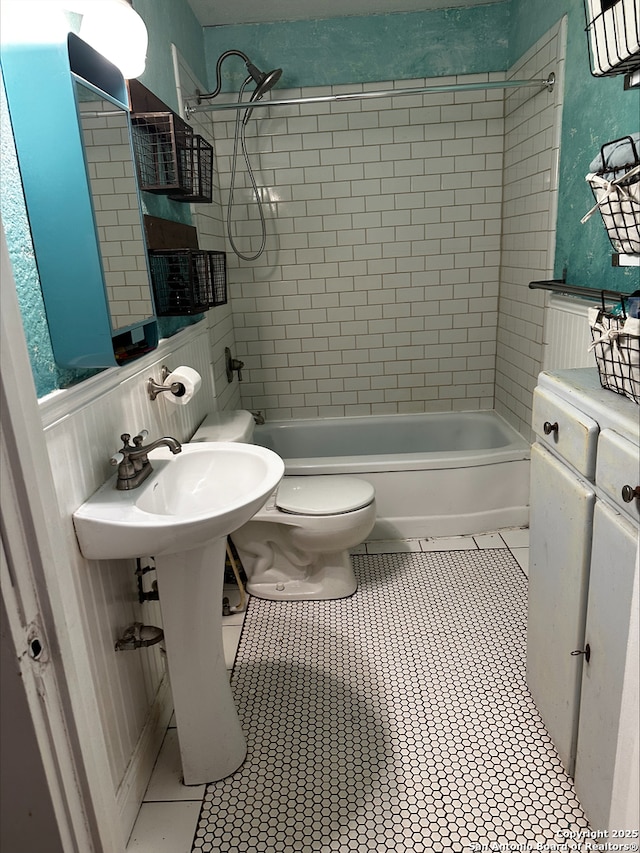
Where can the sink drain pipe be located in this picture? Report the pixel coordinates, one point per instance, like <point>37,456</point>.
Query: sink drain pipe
<point>242,604</point>
<point>143,596</point>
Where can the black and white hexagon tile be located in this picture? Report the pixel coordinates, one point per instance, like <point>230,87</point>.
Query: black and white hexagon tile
<point>395,720</point>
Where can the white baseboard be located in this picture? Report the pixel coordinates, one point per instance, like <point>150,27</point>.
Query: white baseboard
<point>136,778</point>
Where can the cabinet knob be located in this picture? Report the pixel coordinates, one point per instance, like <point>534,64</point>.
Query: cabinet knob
<point>629,493</point>
<point>549,428</point>
<point>586,652</point>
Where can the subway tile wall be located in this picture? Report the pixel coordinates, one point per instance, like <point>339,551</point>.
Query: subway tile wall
<point>532,150</point>
<point>378,289</point>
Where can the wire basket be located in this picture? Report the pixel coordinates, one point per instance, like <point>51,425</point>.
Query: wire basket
<point>218,278</point>
<point>616,189</point>
<point>613,36</point>
<point>162,145</point>
<point>197,170</point>
<point>187,281</point>
<point>616,346</point>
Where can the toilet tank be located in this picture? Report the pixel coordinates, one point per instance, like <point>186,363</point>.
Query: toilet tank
<point>226,426</point>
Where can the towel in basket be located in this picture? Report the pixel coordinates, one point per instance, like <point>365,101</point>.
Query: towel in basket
<point>614,178</point>
<point>616,346</point>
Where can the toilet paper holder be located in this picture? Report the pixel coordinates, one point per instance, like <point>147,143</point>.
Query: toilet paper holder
<point>153,388</point>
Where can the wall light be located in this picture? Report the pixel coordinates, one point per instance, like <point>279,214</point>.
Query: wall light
<point>115,30</point>
<point>112,27</point>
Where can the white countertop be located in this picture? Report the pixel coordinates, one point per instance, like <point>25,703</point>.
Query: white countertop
<point>581,387</point>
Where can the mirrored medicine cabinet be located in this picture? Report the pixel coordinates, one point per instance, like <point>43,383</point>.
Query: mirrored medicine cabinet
<point>70,118</point>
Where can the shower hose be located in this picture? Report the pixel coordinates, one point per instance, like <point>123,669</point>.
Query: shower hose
<point>240,129</point>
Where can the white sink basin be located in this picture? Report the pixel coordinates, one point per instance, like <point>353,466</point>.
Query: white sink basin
<point>181,516</point>
<point>203,493</point>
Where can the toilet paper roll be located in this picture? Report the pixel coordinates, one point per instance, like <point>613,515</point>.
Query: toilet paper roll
<point>189,380</point>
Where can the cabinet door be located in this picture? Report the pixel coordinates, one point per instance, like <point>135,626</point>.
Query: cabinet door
<point>606,774</point>
<point>560,545</point>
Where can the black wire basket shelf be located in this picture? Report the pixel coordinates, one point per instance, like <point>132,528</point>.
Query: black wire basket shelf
<point>187,281</point>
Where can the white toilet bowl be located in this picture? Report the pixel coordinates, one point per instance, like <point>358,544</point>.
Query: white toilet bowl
<point>297,546</point>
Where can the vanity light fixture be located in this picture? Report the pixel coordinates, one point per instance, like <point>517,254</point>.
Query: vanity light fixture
<point>115,30</point>
<point>112,27</point>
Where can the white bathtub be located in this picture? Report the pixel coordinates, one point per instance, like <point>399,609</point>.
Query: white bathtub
<point>443,474</point>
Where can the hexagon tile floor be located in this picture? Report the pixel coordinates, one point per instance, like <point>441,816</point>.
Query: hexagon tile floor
<point>396,720</point>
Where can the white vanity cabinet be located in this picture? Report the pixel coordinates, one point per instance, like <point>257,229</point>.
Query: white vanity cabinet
<point>560,520</point>
<point>583,588</point>
<point>605,760</point>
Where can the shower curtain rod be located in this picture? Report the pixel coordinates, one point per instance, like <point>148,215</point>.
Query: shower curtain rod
<point>547,84</point>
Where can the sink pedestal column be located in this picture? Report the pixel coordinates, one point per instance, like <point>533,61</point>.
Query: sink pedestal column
<point>190,585</point>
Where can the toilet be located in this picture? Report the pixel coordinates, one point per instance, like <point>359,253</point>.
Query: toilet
<point>297,546</point>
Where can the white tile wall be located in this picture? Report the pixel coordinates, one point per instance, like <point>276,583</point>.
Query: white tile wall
<point>378,291</point>
<point>532,140</point>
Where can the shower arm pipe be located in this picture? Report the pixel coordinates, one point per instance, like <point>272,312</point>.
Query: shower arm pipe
<point>547,84</point>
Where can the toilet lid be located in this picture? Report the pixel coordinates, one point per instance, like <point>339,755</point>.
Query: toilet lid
<point>323,495</point>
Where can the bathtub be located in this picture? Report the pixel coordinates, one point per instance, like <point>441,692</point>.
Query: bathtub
<point>441,474</point>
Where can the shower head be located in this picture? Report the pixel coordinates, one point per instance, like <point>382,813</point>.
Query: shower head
<point>264,81</point>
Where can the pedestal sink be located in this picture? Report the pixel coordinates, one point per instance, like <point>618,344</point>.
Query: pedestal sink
<point>181,515</point>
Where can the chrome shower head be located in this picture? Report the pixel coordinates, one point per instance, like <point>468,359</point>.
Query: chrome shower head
<point>264,81</point>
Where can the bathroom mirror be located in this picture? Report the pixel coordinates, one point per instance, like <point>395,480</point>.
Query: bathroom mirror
<point>70,119</point>
<point>116,205</point>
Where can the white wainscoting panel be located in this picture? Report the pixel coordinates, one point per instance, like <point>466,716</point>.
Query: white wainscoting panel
<point>566,334</point>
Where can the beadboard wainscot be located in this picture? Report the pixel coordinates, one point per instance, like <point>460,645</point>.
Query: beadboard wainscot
<point>82,427</point>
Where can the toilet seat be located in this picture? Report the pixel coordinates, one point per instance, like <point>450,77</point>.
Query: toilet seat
<point>323,496</point>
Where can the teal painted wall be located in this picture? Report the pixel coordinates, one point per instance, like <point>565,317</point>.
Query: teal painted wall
<point>596,110</point>
<point>170,21</point>
<point>367,49</point>
<point>47,375</point>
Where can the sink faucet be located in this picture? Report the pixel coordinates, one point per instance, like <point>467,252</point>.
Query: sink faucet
<point>133,463</point>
